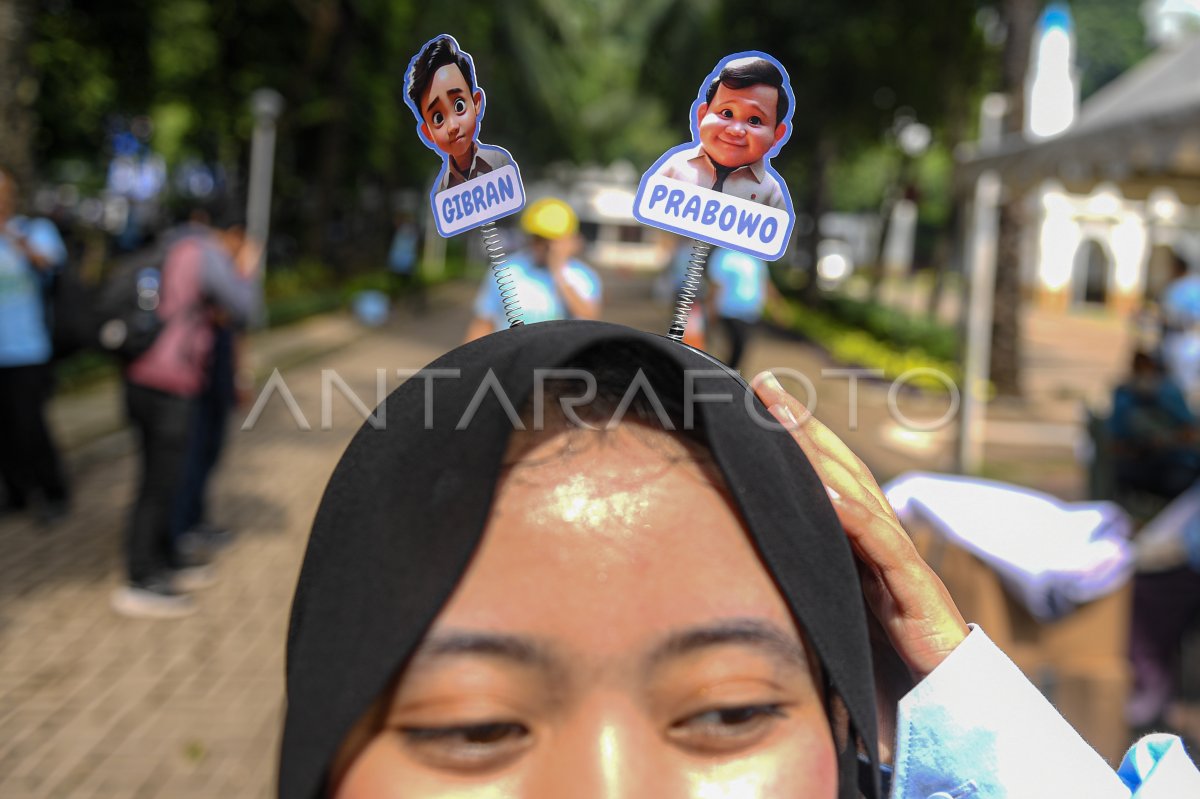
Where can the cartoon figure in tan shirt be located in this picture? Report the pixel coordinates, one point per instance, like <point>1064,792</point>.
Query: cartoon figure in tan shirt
<point>740,122</point>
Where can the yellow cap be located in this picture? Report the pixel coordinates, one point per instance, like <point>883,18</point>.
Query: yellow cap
<point>549,218</point>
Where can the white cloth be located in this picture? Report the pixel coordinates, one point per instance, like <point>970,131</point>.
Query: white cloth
<point>1052,555</point>
<point>977,729</point>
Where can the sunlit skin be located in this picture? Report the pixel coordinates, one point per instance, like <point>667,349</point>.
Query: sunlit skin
<point>739,127</point>
<point>8,207</point>
<point>615,636</point>
<point>450,110</point>
<point>8,198</point>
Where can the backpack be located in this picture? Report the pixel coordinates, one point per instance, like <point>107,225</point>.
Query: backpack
<point>69,314</point>
<point>126,312</point>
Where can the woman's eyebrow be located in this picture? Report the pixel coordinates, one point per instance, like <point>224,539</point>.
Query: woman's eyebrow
<point>757,633</point>
<point>515,649</point>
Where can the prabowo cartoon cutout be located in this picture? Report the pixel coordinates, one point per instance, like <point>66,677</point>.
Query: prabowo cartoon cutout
<point>479,183</point>
<point>721,187</point>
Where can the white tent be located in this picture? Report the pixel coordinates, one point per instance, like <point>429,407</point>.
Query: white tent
<point>1140,131</point>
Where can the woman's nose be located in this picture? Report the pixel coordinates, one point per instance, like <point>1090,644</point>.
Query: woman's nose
<point>612,758</point>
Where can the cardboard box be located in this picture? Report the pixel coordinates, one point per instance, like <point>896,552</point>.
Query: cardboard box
<point>1079,662</point>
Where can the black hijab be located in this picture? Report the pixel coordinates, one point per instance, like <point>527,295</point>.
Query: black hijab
<point>406,508</point>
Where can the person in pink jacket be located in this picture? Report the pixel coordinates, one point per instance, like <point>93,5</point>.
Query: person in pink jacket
<point>207,267</point>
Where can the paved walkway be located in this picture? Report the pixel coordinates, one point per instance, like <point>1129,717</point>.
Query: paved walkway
<point>97,706</point>
<point>93,705</point>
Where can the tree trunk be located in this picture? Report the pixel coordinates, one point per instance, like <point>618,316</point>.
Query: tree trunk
<point>1021,16</point>
<point>947,251</point>
<point>892,195</point>
<point>816,202</point>
<point>1006,304</point>
<point>329,194</point>
<point>18,89</point>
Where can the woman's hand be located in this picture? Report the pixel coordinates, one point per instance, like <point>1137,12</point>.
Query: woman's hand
<point>909,600</point>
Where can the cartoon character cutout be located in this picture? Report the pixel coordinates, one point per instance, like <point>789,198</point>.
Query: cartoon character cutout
<point>478,182</point>
<point>739,121</point>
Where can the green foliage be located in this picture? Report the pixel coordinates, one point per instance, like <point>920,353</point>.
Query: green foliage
<point>306,277</point>
<point>935,172</point>
<point>78,84</point>
<point>858,184</point>
<point>1109,39</point>
<point>83,369</point>
<point>902,331</point>
<point>565,81</point>
<point>849,344</point>
<point>584,62</point>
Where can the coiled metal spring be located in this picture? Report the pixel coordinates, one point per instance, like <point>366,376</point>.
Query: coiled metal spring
<point>689,289</point>
<point>500,270</point>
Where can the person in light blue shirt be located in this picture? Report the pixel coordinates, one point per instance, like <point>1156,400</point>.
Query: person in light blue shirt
<point>546,281</point>
<point>404,274</point>
<point>1181,328</point>
<point>30,251</point>
<point>739,293</point>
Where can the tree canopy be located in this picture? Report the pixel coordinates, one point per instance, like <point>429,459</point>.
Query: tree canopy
<point>578,82</point>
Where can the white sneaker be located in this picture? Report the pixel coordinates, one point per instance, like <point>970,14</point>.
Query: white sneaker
<point>152,601</point>
<point>193,578</point>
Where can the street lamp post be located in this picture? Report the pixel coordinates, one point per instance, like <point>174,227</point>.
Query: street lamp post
<point>266,105</point>
<point>981,280</point>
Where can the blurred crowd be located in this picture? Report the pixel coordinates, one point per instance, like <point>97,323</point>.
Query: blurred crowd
<point>173,318</point>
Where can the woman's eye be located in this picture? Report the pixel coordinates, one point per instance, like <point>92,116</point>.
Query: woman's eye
<point>727,728</point>
<point>460,105</point>
<point>469,746</point>
<point>438,118</point>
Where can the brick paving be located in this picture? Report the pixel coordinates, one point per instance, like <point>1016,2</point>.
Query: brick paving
<point>94,705</point>
<point>99,707</point>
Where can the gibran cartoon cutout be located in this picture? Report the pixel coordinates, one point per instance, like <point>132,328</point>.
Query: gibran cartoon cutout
<point>721,188</point>
<point>478,183</point>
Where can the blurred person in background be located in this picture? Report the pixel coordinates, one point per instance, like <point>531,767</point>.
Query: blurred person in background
<point>1156,438</point>
<point>404,276</point>
<point>739,287</point>
<point>1180,308</point>
<point>196,537</point>
<point>1166,606</point>
<point>550,283</point>
<point>31,250</point>
<point>207,270</point>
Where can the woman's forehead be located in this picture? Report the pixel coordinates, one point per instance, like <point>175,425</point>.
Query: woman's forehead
<point>617,533</point>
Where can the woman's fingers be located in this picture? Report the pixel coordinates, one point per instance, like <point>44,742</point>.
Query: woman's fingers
<point>821,442</point>
<point>907,597</point>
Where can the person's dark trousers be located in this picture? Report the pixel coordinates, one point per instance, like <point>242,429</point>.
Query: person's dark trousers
<point>29,462</point>
<point>738,331</point>
<point>1165,474</point>
<point>206,439</point>
<point>161,422</point>
<point>1165,605</point>
<point>408,285</point>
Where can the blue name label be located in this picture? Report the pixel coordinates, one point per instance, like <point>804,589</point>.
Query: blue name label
<point>479,201</point>
<point>713,216</point>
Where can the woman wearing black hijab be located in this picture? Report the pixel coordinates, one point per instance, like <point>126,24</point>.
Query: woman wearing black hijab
<point>668,607</point>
